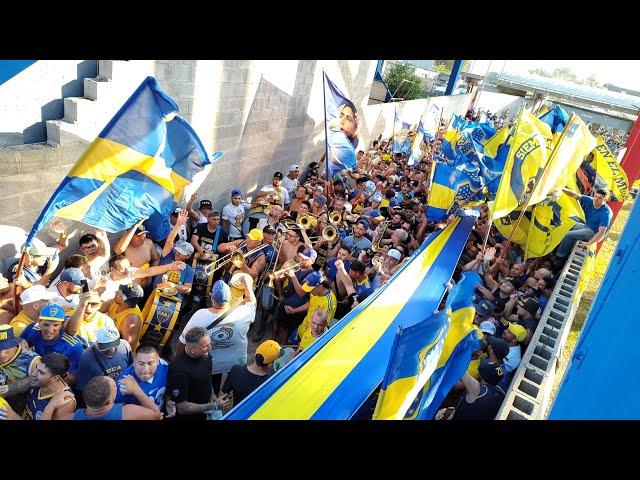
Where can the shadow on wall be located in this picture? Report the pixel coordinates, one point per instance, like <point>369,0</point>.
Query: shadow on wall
<point>54,109</point>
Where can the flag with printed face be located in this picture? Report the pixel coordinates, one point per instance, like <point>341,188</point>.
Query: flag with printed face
<point>401,142</point>
<point>140,165</point>
<point>416,149</point>
<point>431,121</point>
<point>341,121</point>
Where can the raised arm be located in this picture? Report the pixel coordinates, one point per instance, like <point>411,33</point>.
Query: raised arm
<point>125,239</point>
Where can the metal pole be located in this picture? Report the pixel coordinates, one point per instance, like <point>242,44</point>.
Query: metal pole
<point>326,138</point>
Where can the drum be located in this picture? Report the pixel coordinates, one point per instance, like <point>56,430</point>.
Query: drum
<point>160,319</point>
<point>257,218</point>
<point>202,282</point>
<point>267,296</point>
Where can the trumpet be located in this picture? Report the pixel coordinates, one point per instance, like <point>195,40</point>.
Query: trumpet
<point>289,265</point>
<point>375,245</point>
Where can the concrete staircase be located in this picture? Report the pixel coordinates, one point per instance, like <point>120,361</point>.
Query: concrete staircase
<point>84,117</point>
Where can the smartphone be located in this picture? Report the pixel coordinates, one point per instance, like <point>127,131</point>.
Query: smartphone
<point>85,286</point>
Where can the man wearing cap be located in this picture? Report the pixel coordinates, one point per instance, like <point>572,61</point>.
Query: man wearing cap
<point>227,325</point>
<point>126,314</point>
<point>39,258</point>
<point>292,296</point>
<point>275,193</point>
<point>198,216</point>
<point>87,319</point>
<point>482,399</point>
<point>48,335</point>
<point>109,356</point>
<point>68,288</point>
<point>290,182</point>
<point>357,240</point>
<point>16,366</point>
<point>319,206</point>
<point>173,255</point>
<point>526,312</point>
<point>498,293</point>
<point>139,249</point>
<point>207,237</point>
<point>321,298</point>
<point>513,335</point>
<point>244,379</point>
<point>253,263</point>
<point>32,301</point>
<point>484,309</point>
<point>233,215</point>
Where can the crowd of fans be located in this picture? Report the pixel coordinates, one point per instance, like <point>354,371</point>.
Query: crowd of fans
<point>312,249</point>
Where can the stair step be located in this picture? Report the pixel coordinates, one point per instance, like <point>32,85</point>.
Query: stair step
<point>60,132</point>
<point>96,88</point>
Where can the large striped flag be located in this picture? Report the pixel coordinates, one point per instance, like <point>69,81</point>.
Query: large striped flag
<point>138,166</point>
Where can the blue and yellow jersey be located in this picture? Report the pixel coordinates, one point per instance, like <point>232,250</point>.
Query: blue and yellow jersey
<point>327,302</point>
<point>67,345</point>
<point>155,388</point>
<point>37,402</point>
<point>20,322</point>
<point>18,367</point>
<point>363,288</point>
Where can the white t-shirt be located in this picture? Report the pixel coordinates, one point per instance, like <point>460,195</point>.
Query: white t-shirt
<point>230,212</point>
<point>67,303</point>
<point>289,184</point>
<point>228,339</point>
<point>112,286</point>
<point>284,195</point>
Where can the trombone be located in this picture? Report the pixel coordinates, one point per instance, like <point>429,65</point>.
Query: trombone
<point>306,221</point>
<point>329,233</point>
<point>289,265</point>
<point>236,257</point>
<point>375,245</point>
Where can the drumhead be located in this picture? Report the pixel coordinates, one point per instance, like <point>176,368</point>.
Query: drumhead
<point>257,218</point>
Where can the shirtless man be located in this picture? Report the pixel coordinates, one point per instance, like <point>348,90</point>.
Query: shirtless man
<point>138,249</point>
<point>7,293</point>
<point>289,246</point>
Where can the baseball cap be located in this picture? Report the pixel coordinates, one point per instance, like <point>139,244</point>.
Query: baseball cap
<point>35,293</point>
<point>7,338</point>
<point>53,312</point>
<point>393,203</point>
<point>484,308</point>
<point>206,204</point>
<point>363,222</point>
<point>269,351</point>
<point>255,234</point>
<point>376,198</point>
<point>293,167</point>
<point>107,337</point>
<point>518,330</point>
<point>278,175</point>
<point>320,187</point>
<point>184,248</point>
<point>220,293</point>
<point>488,327</point>
<point>311,281</point>
<point>235,192</point>
<point>499,346</point>
<point>140,230</point>
<point>269,230</point>
<point>42,251</point>
<point>131,291</point>
<point>376,214</point>
<point>491,373</point>
<point>321,199</point>
<point>393,253</point>
<point>73,275</point>
<point>309,254</point>
<point>369,187</point>
<point>176,212</point>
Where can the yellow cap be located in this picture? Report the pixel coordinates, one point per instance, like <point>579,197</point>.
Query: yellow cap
<point>270,351</point>
<point>518,330</point>
<point>255,234</point>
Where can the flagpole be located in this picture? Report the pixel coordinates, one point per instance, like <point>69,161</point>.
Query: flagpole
<point>326,138</point>
<point>393,134</point>
<point>18,288</point>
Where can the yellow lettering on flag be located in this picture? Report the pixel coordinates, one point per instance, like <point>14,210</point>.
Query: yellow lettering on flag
<point>609,171</point>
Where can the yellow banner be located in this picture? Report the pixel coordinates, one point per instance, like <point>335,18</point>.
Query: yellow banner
<point>609,171</point>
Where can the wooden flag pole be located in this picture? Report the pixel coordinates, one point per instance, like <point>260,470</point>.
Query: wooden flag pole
<point>18,288</point>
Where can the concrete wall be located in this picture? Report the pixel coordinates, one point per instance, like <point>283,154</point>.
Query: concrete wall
<point>499,103</point>
<point>36,94</point>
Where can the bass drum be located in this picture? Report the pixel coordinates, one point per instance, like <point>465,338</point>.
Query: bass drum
<point>257,218</point>
<point>159,317</point>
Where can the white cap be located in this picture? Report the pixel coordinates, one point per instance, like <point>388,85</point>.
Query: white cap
<point>393,253</point>
<point>184,248</point>
<point>293,167</point>
<point>35,293</point>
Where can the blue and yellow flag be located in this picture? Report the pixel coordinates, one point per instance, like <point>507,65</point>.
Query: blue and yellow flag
<point>416,149</point>
<point>401,142</point>
<point>529,150</point>
<point>414,355</point>
<point>341,128</point>
<point>551,221</point>
<point>451,136</point>
<point>452,186</point>
<point>574,144</point>
<point>464,142</point>
<point>138,166</point>
<point>556,117</point>
<point>460,342</point>
<point>609,173</point>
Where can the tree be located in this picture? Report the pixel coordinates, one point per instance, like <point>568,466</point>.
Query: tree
<point>410,89</point>
<point>445,66</point>
<point>592,81</point>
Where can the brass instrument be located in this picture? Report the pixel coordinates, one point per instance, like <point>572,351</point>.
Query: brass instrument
<point>306,221</point>
<point>329,233</point>
<point>289,265</point>
<point>236,258</point>
<point>375,245</point>
<point>335,218</point>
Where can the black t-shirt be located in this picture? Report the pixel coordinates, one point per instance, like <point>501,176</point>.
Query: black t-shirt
<point>484,407</point>
<point>206,238</point>
<point>530,323</point>
<point>189,380</point>
<point>499,301</point>
<point>242,382</point>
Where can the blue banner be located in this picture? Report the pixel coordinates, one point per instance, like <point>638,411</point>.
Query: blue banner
<point>342,120</point>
